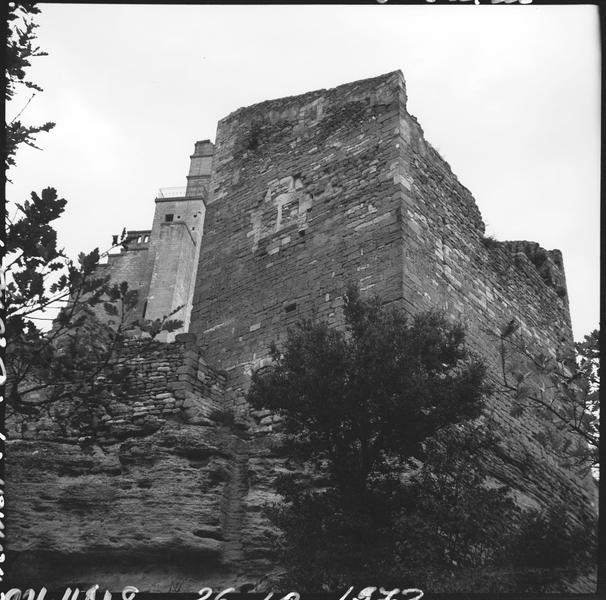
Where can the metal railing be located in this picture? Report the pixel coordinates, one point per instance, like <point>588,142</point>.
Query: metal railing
<point>171,192</point>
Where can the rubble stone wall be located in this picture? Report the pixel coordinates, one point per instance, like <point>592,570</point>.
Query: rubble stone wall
<point>163,382</point>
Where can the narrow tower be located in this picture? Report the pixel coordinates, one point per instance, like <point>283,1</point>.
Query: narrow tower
<point>175,240</point>
<point>199,169</point>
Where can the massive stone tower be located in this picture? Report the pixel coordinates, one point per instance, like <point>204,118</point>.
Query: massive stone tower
<point>311,192</point>
<point>335,186</point>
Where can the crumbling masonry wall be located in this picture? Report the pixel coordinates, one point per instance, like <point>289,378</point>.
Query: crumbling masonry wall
<point>450,264</point>
<point>311,192</point>
<point>163,382</point>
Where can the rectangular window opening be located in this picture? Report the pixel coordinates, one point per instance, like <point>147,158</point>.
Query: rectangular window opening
<point>168,218</point>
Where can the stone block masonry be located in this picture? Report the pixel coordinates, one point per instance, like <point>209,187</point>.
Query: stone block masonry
<point>312,192</point>
<point>304,199</point>
<point>131,265</point>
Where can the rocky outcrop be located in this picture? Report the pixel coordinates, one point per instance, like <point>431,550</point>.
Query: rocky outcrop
<point>169,495</point>
<point>173,509</point>
<point>113,516</point>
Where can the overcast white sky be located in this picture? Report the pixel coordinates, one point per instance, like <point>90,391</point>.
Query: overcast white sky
<point>509,95</point>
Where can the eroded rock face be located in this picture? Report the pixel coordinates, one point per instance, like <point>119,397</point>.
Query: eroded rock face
<point>149,505</point>
<point>163,498</point>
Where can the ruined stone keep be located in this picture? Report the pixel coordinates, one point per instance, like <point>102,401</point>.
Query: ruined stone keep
<point>296,198</point>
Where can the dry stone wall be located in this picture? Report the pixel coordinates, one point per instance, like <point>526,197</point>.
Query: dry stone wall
<point>163,382</point>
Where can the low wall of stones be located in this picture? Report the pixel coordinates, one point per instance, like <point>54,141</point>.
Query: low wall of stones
<point>163,382</point>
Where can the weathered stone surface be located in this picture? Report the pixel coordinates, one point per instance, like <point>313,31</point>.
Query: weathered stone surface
<point>149,499</point>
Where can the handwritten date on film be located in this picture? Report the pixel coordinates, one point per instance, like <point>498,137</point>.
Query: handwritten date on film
<point>206,593</point>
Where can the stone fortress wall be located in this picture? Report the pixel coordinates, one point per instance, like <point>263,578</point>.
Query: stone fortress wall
<point>299,197</point>
<point>312,192</point>
<point>336,186</point>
